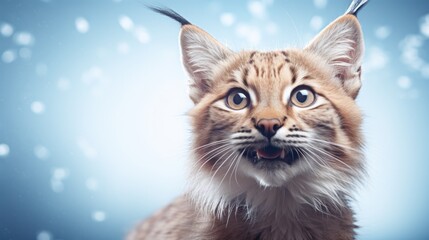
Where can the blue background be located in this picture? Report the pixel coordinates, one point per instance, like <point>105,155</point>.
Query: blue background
<point>93,128</point>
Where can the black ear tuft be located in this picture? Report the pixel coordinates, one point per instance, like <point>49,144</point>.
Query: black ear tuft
<point>170,13</point>
<point>355,6</point>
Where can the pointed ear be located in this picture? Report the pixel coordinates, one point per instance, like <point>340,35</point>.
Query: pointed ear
<point>201,53</point>
<point>341,44</point>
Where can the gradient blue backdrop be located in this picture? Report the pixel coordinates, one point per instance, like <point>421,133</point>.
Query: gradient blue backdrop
<point>93,102</point>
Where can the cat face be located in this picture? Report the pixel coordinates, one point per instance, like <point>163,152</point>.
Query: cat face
<point>281,118</point>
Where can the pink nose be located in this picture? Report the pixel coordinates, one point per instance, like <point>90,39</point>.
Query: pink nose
<point>268,127</point>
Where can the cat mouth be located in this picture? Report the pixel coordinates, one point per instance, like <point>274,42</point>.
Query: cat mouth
<point>271,153</point>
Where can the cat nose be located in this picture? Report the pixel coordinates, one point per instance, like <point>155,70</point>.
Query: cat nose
<point>268,127</point>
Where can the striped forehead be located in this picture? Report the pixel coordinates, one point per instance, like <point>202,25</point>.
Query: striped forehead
<point>268,74</point>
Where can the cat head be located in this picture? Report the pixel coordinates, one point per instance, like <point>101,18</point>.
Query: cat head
<point>279,114</point>
<point>282,119</point>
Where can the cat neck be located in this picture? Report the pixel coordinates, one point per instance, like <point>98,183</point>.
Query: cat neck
<point>244,204</point>
<point>223,197</point>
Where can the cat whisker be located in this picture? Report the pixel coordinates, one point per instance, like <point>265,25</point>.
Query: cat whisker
<point>237,164</point>
<point>330,155</point>
<point>210,144</point>
<point>225,161</point>
<point>227,171</point>
<point>315,159</point>
<point>304,156</point>
<point>221,157</point>
<point>212,151</point>
<point>321,163</point>
<point>221,150</point>
<point>319,203</point>
<point>336,145</point>
<point>235,160</point>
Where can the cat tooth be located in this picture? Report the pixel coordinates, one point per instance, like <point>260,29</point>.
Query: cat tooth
<point>257,155</point>
<point>283,154</point>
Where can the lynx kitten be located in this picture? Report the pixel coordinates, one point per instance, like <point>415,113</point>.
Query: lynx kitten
<point>277,141</point>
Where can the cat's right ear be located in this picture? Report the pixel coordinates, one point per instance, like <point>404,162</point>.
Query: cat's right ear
<point>341,45</point>
<point>201,53</point>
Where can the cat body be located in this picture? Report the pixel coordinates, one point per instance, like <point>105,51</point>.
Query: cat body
<point>276,151</point>
<point>181,220</point>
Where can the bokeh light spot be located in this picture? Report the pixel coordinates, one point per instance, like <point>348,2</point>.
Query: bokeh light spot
<point>92,184</point>
<point>404,82</point>
<point>8,56</point>
<point>320,3</point>
<point>82,25</point>
<point>60,173</point>
<point>126,23</point>
<point>4,150</point>
<point>227,19</point>
<point>37,107</point>
<point>92,75</point>
<point>424,26</point>
<point>376,59</point>
<point>57,179</point>
<point>382,32</point>
<point>24,38</point>
<point>99,216</point>
<point>316,23</point>
<point>272,28</point>
<point>251,33</point>
<point>41,152</point>
<point>87,149</point>
<point>44,235</point>
<point>6,29</point>
<point>257,9</point>
<point>142,34</point>
<point>63,84</point>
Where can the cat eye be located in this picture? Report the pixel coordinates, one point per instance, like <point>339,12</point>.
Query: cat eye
<point>303,96</point>
<point>237,99</point>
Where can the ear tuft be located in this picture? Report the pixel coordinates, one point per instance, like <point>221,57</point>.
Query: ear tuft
<point>201,53</point>
<point>341,45</point>
<point>356,6</point>
<point>169,13</point>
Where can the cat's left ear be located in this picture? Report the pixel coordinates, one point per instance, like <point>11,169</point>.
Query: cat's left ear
<point>201,54</point>
<point>341,45</point>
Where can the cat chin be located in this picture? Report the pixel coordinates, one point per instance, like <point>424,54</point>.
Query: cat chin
<point>270,182</point>
<point>269,177</point>
<point>273,178</point>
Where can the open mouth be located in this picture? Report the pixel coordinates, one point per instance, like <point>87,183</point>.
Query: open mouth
<point>271,153</point>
